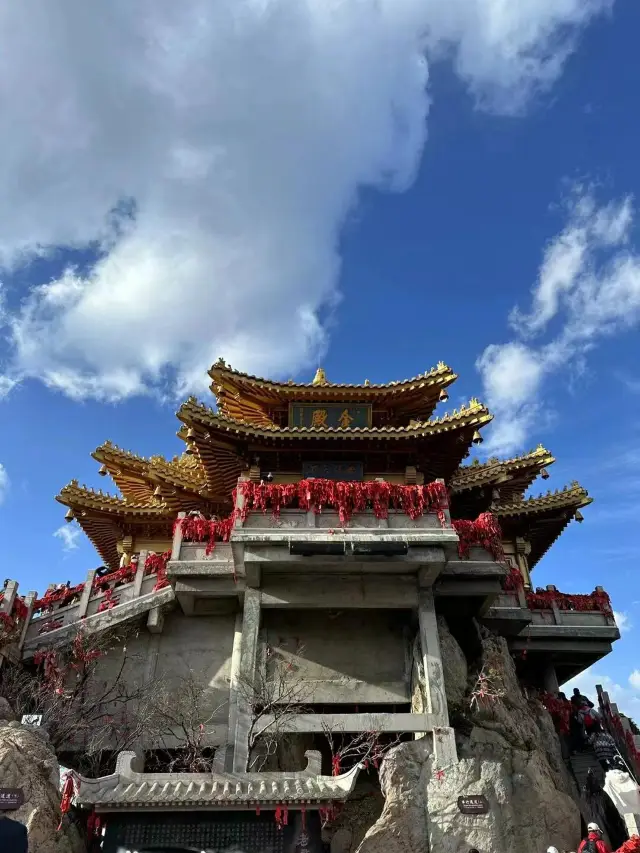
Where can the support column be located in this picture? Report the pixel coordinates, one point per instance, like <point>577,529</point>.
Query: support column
<point>523,549</point>
<point>550,680</point>
<point>432,660</point>
<point>246,677</point>
<point>444,744</point>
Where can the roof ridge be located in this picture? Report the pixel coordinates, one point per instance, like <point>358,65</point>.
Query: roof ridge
<point>440,369</point>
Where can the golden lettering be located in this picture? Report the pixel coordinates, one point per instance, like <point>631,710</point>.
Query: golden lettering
<point>345,420</point>
<point>319,418</point>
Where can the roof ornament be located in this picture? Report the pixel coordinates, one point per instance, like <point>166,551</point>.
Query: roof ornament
<point>69,516</point>
<point>443,396</point>
<point>579,517</point>
<point>102,470</point>
<point>320,378</point>
<point>220,362</point>
<point>477,438</point>
<point>544,473</point>
<point>367,383</point>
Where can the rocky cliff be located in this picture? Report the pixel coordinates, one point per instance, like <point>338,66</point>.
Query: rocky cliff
<point>508,752</point>
<point>28,762</point>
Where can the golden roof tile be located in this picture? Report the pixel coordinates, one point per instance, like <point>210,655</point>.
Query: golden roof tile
<point>495,471</point>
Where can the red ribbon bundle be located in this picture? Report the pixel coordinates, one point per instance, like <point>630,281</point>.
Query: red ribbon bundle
<point>347,498</point>
<point>630,846</point>
<point>68,791</point>
<point>542,599</point>
<point>560,711</point>
<point>513,581</point>
<point>484,532</point>
<point>198,529</point>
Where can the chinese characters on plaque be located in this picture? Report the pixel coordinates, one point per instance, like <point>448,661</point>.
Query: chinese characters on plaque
<point>11,798</point>
<point>344,471</point>
<point>473,805</point>
<point>330,415</point>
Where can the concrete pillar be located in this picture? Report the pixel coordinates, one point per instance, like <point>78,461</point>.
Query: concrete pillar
<point>233,692</point>
<point>246,677</point>
<point>155,620</point>
<point>239,505</point>
<point>81,612</point>
<point>550,679</point>
<point>432,660</point>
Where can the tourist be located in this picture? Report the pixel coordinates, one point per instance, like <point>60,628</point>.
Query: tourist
<point>13,835</point>
<point>552,850</point>
<point>594,842</point>
<point>604,747</point>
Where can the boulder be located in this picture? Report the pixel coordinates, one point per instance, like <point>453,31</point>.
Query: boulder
<point>6,711</point>
<point>454,666</point>
<point>28,762</point>
<point>508,752</point>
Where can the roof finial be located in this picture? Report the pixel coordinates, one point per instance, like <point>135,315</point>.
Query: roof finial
<point>320,378</point>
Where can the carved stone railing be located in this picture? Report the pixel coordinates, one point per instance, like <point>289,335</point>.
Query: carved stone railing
<point>549,612</point>
<point>111,595</point>
<point>619,727</point>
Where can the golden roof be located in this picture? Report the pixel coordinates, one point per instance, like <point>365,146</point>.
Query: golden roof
<point>512,476</point>
<point>104,518</point>
<point>244,397</point>
<point>571,497</point>
<point>542,519</point>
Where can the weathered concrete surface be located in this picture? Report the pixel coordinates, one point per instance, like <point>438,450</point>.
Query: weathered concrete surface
<point>28,762</point>
<point>509,753</point>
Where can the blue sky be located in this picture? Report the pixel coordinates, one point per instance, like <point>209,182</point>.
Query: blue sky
<point>306,184</point>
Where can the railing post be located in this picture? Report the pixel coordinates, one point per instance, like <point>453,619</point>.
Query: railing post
<point>139,575</point>
<point>86,594</point>
<point>239,502</point>
<point>10,593</point>
<point>29,600</point>
<point>446,511</point>
<point>177,538</point>
<point>557,618</point>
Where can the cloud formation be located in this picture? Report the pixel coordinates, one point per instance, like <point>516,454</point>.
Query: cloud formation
<point>622,621</point>
<point>588,286</point>
<point>206,154</point>
<point>4,482</point>
<point>69,536</point>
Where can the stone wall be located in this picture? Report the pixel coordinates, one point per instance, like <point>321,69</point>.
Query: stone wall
<point>350,657</point>
<point>188,648</point>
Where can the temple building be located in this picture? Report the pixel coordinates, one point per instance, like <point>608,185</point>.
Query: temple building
<point>296,559</point>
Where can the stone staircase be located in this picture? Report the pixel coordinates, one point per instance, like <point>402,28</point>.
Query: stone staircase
<point>581,763</point>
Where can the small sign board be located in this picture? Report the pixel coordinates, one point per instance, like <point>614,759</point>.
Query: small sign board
<point>11,798</point>
<point>477,804</point>
<point>31,719</point>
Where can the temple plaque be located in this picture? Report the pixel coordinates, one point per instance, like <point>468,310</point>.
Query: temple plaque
<point>11,798</point>
<point>330,415</point>
<point>345,471</point>
<point>473,805</point>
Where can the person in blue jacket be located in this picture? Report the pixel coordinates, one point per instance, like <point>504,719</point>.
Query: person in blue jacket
<point>13,835</point>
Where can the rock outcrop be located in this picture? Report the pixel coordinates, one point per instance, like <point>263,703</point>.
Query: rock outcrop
<point>508,752</point>
<point>28,762</point>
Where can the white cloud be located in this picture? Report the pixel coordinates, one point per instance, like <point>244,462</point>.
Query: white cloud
<point>622,621</point>
<point>231,138</point>
<point>589,284</point>
<point>4,482</point>
<point>627,698</point>
<point>68,535</point>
